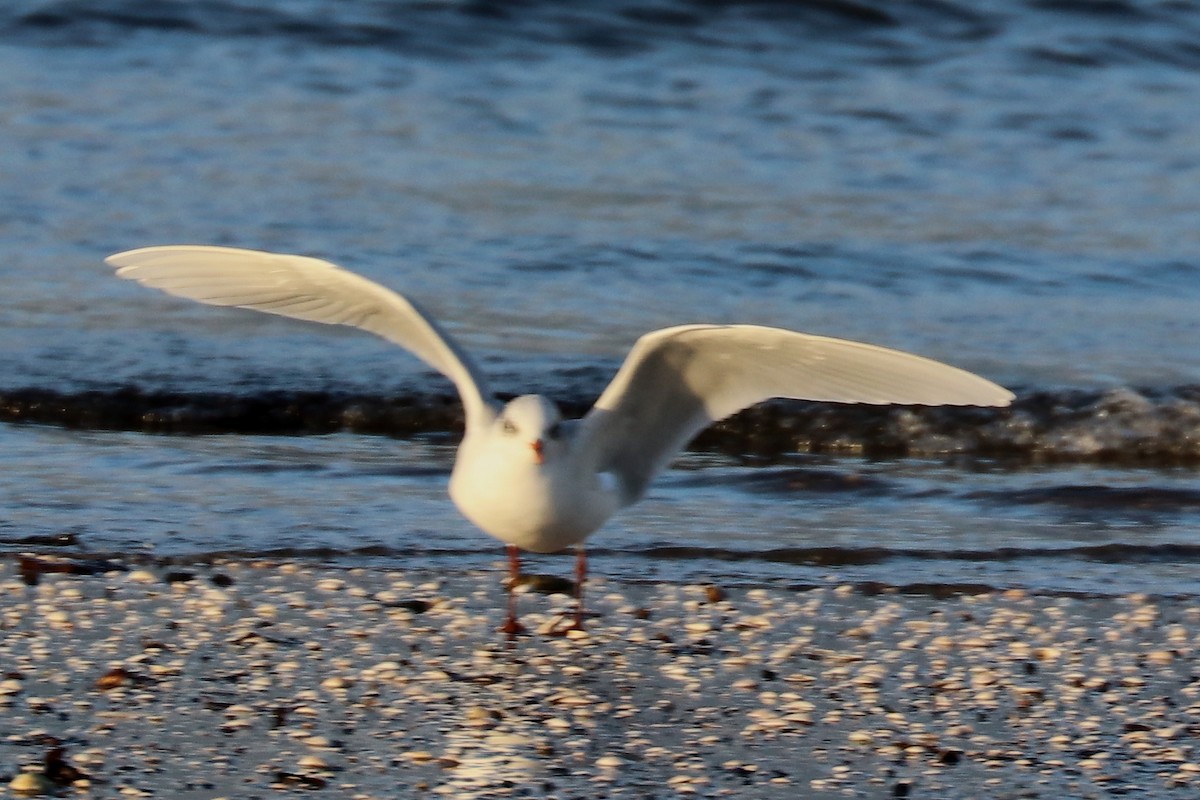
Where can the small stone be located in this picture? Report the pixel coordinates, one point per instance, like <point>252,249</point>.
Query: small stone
<point>545,584</point>
<point>414,606</point>
<point>30,783</point>
<point>113,678</point>
<point>141,576</point>
<point>303,781</point>
<point>950,757</point>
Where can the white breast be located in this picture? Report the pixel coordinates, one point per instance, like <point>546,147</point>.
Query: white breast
<point>542,508</point>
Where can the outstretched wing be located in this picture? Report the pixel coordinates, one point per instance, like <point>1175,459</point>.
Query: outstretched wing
<point>677,381</point>
<point>309,289</point>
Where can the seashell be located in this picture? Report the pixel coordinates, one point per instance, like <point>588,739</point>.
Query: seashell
<point>312,762</point>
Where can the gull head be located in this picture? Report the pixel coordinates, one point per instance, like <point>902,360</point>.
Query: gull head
<point>532,425</point>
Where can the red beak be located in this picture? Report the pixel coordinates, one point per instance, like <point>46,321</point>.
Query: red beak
<point>538,455</point>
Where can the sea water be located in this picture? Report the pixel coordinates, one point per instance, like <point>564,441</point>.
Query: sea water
<point>1013,188</point>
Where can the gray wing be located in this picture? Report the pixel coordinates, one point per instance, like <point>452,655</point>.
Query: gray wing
<point>677,381</point>
<point>309,289</point>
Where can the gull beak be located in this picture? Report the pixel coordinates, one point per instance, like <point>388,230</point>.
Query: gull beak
<point>539,456</point>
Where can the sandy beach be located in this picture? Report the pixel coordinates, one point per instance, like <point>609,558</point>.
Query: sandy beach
<point>364,683</point>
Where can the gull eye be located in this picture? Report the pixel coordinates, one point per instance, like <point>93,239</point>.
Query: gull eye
<point>508,427</point>
<point>554,431</point>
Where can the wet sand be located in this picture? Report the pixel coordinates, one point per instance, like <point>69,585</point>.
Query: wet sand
<point>380,684</point>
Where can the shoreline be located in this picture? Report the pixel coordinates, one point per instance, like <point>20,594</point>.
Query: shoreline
<point>369,682</point>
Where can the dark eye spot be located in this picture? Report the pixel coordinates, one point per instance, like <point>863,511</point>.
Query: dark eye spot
<point>508,427</point>
<point>554,431</point>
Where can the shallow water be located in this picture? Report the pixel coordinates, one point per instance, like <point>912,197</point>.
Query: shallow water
<point>1011,187</point>
<point>917,523</point>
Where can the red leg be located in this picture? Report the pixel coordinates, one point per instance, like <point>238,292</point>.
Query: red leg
<point>580,579</point>
<point>511,626</point>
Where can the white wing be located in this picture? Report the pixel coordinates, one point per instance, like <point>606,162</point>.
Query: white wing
<point>309,289</point>
<point>677,381</point>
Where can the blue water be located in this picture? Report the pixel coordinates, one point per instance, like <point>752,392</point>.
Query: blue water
<point>1011,187</point>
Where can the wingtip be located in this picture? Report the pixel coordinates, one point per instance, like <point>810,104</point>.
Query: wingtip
<point>1004,401</point>
<point>120,263</point>
<point>1005,397</point>
<point>129,258</point>
<point>998,398</point>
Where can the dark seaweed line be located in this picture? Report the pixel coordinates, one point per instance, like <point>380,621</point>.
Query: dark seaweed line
<point>615,29</point>
<point>34,564</point>
<point>1119,426</point>
<point>271,412</point>
<point>862,556</point>
<point>1116,553</point>
<point>68,546</point>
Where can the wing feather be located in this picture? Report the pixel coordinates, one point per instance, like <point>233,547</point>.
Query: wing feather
<point>309,289</point>
<point>677,381</point>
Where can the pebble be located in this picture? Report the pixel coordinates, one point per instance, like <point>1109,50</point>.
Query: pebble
<point>114,678</point>
<point>30,783</point>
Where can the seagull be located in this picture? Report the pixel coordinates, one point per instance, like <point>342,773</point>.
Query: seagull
<point>522,473</point>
